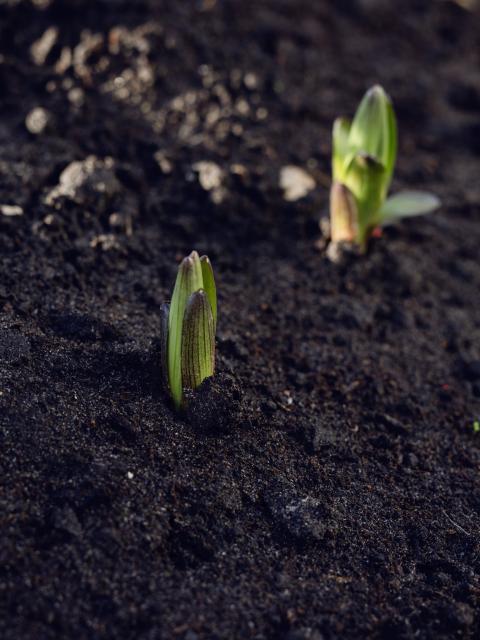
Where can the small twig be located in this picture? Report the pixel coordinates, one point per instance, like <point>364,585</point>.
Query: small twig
<point>455,524</point>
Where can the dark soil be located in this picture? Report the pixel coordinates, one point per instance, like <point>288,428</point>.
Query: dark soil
<point>326,483</point>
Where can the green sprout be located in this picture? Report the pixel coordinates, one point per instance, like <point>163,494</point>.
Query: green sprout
<point>476,426</point>
<point>363,160</point>
<point>188,328</point>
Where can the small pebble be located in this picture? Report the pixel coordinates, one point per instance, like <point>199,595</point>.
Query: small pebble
<point>11,210</point>
<point>209,174</point>
<point>106,241</point>
<point>42,47</point>
<point>76,96</point>
<point>64,61</point>
<point>87,182</point>
<point>341,252</point>
<point>37,120</point>
<point>250,80</point>
<point>163,162</point>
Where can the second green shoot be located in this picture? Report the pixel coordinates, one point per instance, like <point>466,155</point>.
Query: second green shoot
<point>363,161</point>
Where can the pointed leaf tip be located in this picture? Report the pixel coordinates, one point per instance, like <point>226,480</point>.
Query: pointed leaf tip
<point>374,131</point>
<point>377,92</point>
<point>209,285</point>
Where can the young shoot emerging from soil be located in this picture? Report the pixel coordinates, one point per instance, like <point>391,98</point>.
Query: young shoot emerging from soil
<point>363,160</point>
<point>188,328</point>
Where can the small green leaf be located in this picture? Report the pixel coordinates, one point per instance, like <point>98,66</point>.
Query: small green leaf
<point>209,286</point>
<point>341,129</point>
<point>406,204</point>
<point>164,313</point>
<point>365,179</point>
<point>343,214</point>
<point>374,131</point>
<point>198,341</point>
<point>189,279</point>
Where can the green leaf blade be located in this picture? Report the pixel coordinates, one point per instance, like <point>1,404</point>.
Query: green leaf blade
<point>373,131</point>
<point>198,341</point>
<point>365,179</point>
<point>209,286</point>
<point>189,279</point>
<point>408,204</point>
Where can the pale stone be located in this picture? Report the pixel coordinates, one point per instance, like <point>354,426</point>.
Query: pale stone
<point>11,210</point>
<point>210,175</point>
<point>295,182</point>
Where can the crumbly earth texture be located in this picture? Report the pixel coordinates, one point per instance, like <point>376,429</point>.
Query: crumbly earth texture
<point>326,483</point>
